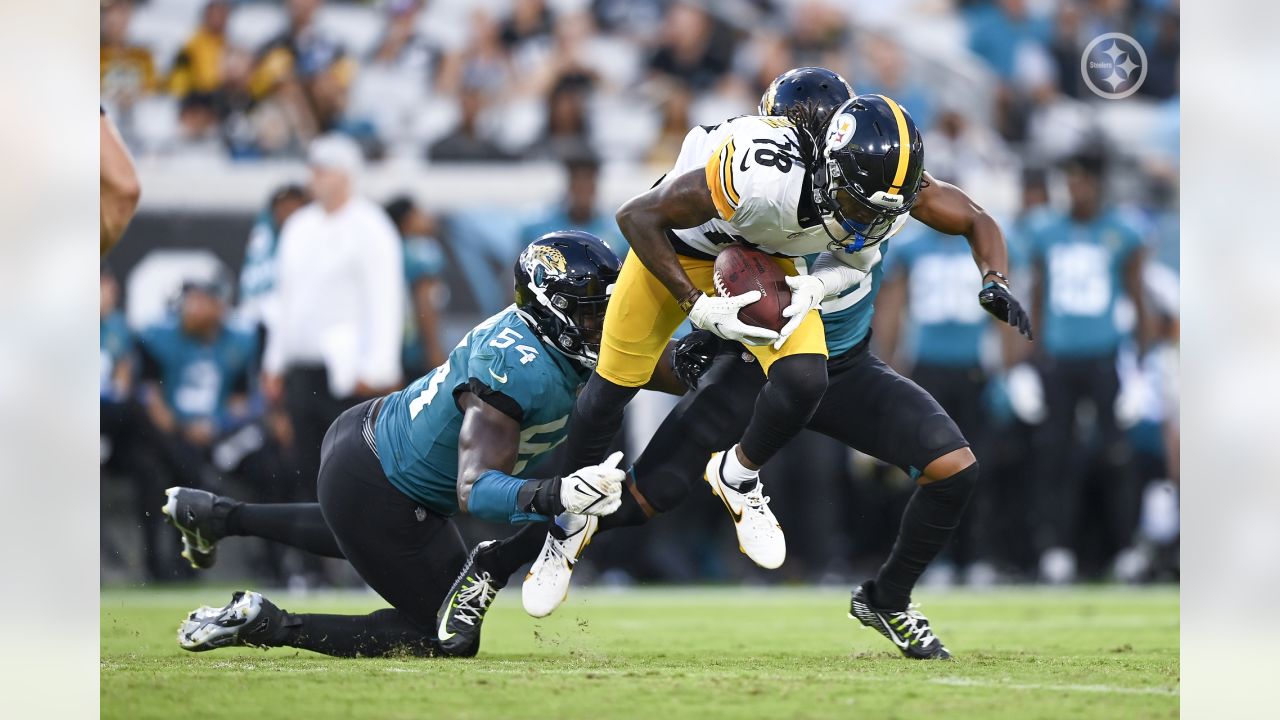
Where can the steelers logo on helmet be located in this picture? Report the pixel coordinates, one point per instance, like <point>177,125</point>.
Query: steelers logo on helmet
<point>870,171</point>
<point>841,131</point>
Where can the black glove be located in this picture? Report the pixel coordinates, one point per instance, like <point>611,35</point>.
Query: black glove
<point>693,355</point>
<point>996,299</point>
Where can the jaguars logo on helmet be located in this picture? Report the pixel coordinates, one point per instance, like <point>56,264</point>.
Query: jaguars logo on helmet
<point>563,283</point>
<point>542,261</point>
<point>870,170</point>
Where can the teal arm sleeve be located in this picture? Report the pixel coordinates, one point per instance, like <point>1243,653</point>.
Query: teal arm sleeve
<point>495,496</point>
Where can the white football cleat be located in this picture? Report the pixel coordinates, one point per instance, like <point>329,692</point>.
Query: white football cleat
<point>759,534</point>
<point>547,584</point>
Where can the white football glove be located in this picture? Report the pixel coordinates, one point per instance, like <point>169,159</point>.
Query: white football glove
<point>720,316</point>
<point>807,293</point>
<point>1026,394</point>
<point>595,489</point>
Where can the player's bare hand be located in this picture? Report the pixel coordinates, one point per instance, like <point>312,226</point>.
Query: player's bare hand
<point>720,316</point>
<point>595,489</point>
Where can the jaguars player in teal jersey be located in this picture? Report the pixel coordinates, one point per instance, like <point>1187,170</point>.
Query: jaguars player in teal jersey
<point>867,405</point>
<point>395,469</point>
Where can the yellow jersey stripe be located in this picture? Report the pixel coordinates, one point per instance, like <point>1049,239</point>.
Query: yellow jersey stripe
<point>715,182</point>
<point>904,146</point>
<point>730,189</point>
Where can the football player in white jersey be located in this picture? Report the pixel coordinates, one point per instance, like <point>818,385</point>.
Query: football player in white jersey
<point>789,186</point>
<point>867,405</point>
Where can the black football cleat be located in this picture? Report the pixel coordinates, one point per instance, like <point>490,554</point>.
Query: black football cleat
<point>248,620</point>
<point>201,517</point>
<point>907,629</point>
<point>462,612</point>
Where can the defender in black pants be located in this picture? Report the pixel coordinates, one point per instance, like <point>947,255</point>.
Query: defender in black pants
<point>394,470</point>
<point>362,518</point>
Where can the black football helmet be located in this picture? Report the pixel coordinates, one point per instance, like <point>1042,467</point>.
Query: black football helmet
<point>563,283</point>
<point>822,86</point>
<point>868,171</point>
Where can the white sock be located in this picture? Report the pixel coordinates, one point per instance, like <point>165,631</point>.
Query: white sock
<point>570,523</point>
<point>735,473</point>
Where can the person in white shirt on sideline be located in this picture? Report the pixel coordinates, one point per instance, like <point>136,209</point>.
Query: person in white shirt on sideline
<point>335,338</point>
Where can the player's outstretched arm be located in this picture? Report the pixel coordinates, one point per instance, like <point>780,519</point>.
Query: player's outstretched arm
<point>683,202</point>
<point>948,209</point>
<point>119,188</point>
<point>488,445</point>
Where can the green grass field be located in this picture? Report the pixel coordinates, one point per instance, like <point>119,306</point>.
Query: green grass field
<point>675,653</point>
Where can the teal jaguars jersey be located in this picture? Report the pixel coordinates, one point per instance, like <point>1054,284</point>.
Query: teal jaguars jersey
<point>198,377</point>
<point>417,428</point>
<point>846,318</point>
<point>1083,266</point>
<point>947,322</point>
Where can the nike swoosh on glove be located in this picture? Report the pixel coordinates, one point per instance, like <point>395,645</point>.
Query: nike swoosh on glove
<point>996,299</point>
<point>720,316</point>
<point>595,489</point>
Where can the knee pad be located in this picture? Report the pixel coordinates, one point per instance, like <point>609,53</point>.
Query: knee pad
<point>956,488</point>
<point>802,378</point>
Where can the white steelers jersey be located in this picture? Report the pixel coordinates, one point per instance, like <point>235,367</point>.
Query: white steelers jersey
<point>757,182</point>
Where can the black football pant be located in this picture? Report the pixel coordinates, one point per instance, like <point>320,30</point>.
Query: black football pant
<point>867,406</point>
<point>408,554</point>
<point>1082,453</point>
<point>780,407</point>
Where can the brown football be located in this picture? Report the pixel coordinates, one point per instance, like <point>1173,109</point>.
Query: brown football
<point>740,270</point>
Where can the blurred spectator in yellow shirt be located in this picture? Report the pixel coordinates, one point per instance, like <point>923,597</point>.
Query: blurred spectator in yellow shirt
<point>306,70</point>
<point>198,66</point>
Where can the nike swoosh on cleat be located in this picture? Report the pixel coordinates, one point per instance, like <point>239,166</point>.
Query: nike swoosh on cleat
<point>735,514</point>
<point>443,633</point>
<point>893,635</point>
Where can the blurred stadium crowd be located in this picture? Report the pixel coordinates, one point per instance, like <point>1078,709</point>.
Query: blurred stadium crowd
<point>1077,434</point>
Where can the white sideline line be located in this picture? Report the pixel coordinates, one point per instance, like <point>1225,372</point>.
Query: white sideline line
<point>1107,689</point>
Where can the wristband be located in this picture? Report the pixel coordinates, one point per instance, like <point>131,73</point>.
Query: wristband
<point>541,497</point>
<point>687,303</point>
